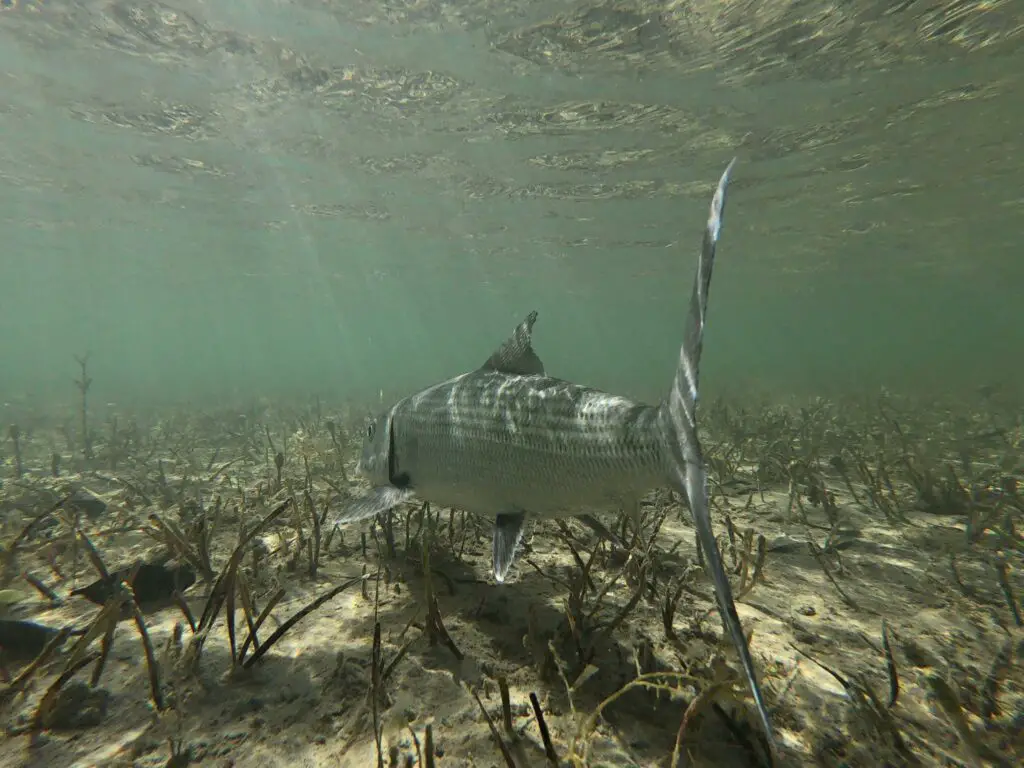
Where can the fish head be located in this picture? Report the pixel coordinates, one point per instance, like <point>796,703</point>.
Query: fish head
<point>375,462</point>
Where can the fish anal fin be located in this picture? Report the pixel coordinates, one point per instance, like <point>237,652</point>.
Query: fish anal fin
<point>508,530</point>
<point>516,355</point>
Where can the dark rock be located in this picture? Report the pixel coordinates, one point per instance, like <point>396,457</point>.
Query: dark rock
<point>153,583</point>
<point>23,640</point>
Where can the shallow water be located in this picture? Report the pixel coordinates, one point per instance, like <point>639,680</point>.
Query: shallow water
<point>258,219</point>
<point>343,196</point>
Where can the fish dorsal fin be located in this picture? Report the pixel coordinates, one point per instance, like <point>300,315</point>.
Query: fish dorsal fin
<point>516,354</point>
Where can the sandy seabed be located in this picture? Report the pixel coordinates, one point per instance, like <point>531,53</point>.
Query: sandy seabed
<point>882,618</point>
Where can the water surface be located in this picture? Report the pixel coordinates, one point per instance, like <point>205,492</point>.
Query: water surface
<point>338,197</point>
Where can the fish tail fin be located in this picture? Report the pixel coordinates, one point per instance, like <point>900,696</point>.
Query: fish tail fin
<point>687,471</point>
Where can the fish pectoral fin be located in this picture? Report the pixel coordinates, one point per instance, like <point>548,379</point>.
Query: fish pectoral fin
<point>508,530</point>
<point>377,502</point>
<point>516,354</point>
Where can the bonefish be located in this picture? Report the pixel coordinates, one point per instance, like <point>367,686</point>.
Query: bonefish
<point>508,441</point>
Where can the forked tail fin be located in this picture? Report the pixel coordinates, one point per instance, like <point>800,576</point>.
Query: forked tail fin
<point>679,420</point>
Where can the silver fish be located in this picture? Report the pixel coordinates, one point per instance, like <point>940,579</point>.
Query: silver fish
<point>508,441</point>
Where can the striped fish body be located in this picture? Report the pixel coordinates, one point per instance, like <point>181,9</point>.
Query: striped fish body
<point>492,442</point>
<point>508,441</point>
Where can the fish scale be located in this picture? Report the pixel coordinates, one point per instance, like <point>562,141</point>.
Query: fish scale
<point>509,442</point>
<point>494,443</point>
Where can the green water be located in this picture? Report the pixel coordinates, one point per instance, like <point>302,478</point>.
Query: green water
<point>245,199</point>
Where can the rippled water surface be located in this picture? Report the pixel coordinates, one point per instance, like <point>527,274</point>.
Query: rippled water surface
<point>347,194</point>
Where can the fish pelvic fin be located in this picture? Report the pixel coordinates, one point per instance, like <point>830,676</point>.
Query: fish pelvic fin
<point>678,419</point>
<point>508,532</point>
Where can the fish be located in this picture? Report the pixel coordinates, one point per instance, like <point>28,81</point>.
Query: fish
<point>508,441</point>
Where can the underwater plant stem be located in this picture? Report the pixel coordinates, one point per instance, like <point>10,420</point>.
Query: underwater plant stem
<point>83,385</point>
<point>15,434</point>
